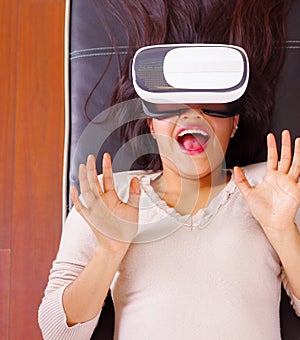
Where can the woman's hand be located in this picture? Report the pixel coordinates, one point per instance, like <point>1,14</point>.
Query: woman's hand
<point>275,201</point>
<point>113,221</point>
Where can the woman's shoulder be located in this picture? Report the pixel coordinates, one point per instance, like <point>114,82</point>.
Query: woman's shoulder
<point>126,176</point>
<point>122,180</point>
<point>255,172</point>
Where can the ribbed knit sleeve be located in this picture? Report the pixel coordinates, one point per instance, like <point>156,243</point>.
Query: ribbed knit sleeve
<point>52,320</point>
<point>76,249</point>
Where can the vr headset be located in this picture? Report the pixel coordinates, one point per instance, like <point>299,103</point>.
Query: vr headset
<point>169,77</point>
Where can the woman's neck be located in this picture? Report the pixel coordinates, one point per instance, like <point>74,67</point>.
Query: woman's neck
<point>188,195</point>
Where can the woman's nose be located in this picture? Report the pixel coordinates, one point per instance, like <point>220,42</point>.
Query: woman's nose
<point>191,113</point>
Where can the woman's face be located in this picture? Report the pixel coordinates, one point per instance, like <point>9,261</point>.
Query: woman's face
<point>193,144</point>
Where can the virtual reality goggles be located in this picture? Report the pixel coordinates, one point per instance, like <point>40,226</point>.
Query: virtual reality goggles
<point>169,77</point>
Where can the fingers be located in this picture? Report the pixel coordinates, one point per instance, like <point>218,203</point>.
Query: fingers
<point>289,164</point>
<point>134,193</point>
<point>74,194</point>
<point>294,171</point>
<point>93,176</point>
<point>85,185</point>
<point>241,181</point>
<point>272,159</point>
<point>89,183</point>
<point>88,179</point>
<point>108,181</point>
<point>286,152</point>
<point>76,201</point>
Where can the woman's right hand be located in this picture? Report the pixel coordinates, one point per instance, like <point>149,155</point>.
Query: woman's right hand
<point>114,222</point>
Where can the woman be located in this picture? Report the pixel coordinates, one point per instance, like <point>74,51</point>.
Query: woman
<point>214,268</point>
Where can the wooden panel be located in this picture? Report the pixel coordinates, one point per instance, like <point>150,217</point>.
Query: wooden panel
<point>5,293</point>
<point>38,159</point>
<point>8,31</point>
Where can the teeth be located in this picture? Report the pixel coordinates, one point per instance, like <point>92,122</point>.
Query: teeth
<point>192,132</point>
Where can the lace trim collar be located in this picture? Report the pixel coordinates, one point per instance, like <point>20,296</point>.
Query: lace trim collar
<point>202,218</point>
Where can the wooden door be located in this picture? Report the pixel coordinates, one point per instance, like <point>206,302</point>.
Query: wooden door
<point>31,157</point>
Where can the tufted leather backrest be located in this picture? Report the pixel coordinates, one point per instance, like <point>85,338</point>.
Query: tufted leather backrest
<point>88,50</point>
<point>287,105</point>
<point>287,116</point>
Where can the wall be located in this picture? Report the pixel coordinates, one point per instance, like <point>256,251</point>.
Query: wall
<point>31,157</point>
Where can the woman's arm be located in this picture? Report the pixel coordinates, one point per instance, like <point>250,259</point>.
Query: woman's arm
<point>274,204</point>
<point>77,248</point>
<point>114,224</point>
<point>288,249</point>
<point>84,297</point>
<point>92,247</point>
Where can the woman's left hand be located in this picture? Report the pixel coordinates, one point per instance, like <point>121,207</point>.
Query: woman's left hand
<point>275,201</point>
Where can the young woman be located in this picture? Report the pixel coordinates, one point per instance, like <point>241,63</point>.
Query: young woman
<point>221,241</point>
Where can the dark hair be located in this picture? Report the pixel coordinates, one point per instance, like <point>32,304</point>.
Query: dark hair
<point>258,26</point>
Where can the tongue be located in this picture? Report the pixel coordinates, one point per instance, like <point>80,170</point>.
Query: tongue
<point>191,143</point>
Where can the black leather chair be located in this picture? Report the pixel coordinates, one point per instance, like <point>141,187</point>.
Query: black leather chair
<point>88,50</point>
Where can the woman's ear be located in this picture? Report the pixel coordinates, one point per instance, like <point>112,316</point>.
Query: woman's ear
<point>236,119</point>
<point>150,124</point>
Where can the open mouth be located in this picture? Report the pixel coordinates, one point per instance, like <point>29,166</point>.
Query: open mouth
<point>192,140</point>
